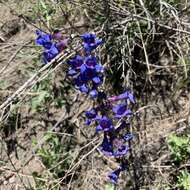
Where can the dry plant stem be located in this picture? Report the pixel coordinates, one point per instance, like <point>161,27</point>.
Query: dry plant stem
<point>8,170</point>
<point>62,161</point>
<point>146,11</point>
<point>68,20</point>
<point>69,185</point>
<point>183,60</point>
<point>28,93</point>
<point>59,59</point>
<point>15,170</point>
<point>77,164</point>
<point>59,133</point>
<point>39,144</point>
<point>163,25</point>
<point>131,17</point>
<point>144,47</point>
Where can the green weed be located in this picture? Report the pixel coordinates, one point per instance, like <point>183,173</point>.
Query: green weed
<point>43,91</point>
<point>180,147</point>
<point>55,158</point>
<point>46,94</point>
<point>109,187</point>
<point>54,155</point>
<point>184,180</point>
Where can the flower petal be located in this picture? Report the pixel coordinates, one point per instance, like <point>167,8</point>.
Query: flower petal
<point>94,93</point>
<point>83,88</point>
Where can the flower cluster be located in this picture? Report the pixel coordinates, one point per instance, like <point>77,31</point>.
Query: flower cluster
<point>53,44</point>
<point>85,69</point>
<point>111,115</point>
<point>109,111</point>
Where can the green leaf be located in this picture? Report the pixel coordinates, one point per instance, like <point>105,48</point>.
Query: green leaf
<point>109,187</point>
<point>184,180</point>
<point>43,5</point>
<point>37,101</point>
<point>179,146</point>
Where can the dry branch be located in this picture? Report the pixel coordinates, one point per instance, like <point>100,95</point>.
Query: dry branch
<point>59,60</point>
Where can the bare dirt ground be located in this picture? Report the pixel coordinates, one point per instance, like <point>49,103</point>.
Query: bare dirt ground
<point>16,42</point>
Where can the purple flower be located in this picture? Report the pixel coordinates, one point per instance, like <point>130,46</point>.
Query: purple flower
<point>128,137</point>
<point>105,124</point>
<point>121,151</point>
<point>88,122</point>
<point>43,39</point>
<point>91,115</point>
<point>50,53</point>
<point>88,38</point>
<point>83,88</point>
<point>116,145</point>
<point>76,62</point>
<point>52,49</point>
<point>85,76</point>
<point>121,110</point>
<point>97,80</point>
<point>90,47</point>
<point>72,72</point>
<point>90,42</point>
<point>86,72</point>
<point>57,36</point>
<point>123,125</point>
<point>62,45</point>
<point>79,81</point>
<point>114,176</point>
<point>106,147</point>
<point>125,95</point>
<point>91,61</point>
<point>120,148</point>
<point>94,93</point>
<point>99,68</point>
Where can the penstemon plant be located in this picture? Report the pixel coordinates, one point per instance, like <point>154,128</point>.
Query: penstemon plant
<point>110,114</point>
